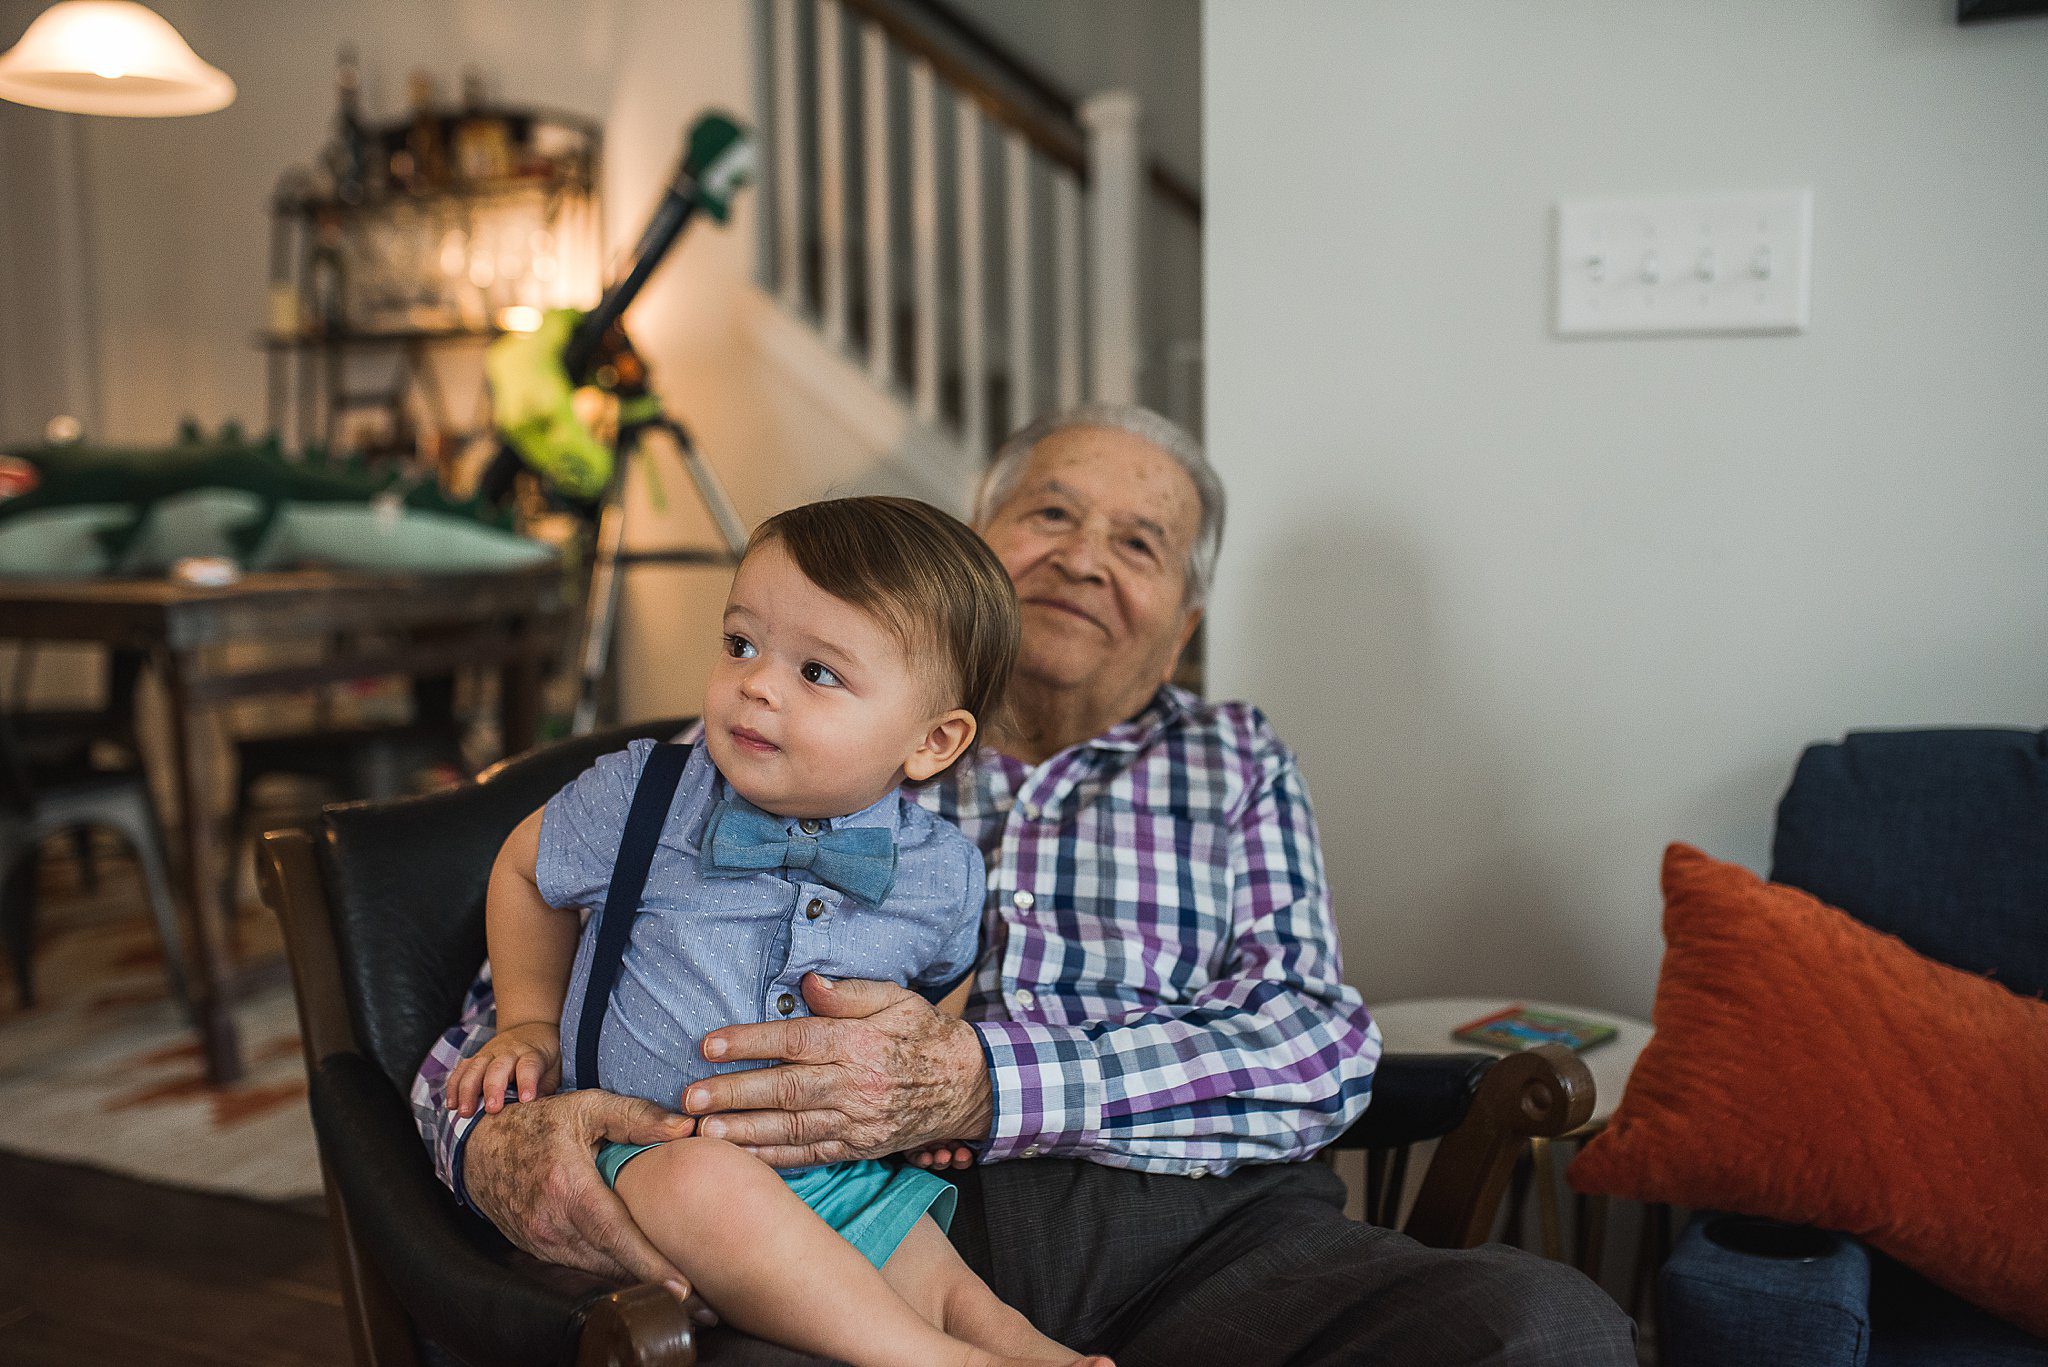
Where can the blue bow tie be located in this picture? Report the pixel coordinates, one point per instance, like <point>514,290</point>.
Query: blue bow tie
<point>740,839</point>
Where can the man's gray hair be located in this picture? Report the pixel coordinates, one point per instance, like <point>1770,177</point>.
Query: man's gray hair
<point>1170,437</point>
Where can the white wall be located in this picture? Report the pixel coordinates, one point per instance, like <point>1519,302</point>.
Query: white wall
<point>1531,608</point>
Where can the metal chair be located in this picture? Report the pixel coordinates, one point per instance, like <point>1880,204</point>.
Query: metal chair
<point>35,807</point>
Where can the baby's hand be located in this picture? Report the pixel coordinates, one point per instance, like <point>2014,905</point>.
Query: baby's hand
<point>942,1155</point>
<point>527,1057</point>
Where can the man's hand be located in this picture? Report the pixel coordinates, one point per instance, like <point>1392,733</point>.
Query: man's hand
<point>532,1169</point>
<point>527,1058</point>
<point>876,1071</point>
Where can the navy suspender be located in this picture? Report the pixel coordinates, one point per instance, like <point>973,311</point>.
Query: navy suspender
<point>651,800</point>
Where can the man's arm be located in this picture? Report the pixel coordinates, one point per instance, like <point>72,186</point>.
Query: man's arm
<point>1267,1062</point>
<point>529,1169</point>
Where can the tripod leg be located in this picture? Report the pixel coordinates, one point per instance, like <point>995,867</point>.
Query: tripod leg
<point>708,488</point>
<point>601,610</point>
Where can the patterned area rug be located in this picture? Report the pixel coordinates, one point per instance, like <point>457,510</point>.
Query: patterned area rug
<point>105,1071</point>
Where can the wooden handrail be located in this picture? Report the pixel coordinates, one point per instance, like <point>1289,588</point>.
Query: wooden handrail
<point>1010,90</point>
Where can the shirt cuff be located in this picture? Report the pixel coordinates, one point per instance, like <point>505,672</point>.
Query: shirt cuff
<point>1047,1085</point>
<point>460,1150</point>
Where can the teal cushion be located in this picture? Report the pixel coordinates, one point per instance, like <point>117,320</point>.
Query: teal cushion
<point>61,543</point>
<point>393,540</point>
<point>203,522</point>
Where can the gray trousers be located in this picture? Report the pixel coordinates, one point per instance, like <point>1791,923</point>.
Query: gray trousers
<point>1255,1269</point>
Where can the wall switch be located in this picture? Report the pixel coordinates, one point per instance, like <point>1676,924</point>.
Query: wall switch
<point>1707,263</point>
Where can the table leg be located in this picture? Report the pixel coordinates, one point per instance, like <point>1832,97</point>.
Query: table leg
<point>519,690</point>
<point>1544,1160</point>
<point>1590,1230</point>
<point>213,982</point>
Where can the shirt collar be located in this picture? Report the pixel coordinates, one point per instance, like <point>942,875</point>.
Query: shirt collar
<point>1166,706</point>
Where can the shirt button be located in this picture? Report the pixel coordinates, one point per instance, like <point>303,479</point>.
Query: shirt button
<point>815,909</point>
<point>1022,900</point>
<point>1198,1172</point>
<point>1024,999</point>
<point>808,826</point>
<point>785,1003</point>
<point>1030,812</point>
<point>1028,1151</point>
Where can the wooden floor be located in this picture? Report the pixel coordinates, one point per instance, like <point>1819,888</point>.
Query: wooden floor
<point>97,1268</point>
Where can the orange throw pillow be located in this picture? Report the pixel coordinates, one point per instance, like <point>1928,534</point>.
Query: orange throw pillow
<point>1811,1069</point>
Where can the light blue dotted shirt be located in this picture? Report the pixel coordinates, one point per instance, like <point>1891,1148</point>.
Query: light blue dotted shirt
<point>711,952</point>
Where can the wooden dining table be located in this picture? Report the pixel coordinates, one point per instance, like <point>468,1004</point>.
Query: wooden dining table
<point>410,625</point>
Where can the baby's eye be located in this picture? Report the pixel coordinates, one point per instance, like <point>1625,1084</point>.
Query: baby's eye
<point>818,674</point>
<point>739,647</point>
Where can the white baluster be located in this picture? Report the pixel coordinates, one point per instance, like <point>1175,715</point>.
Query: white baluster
<point>789,186</point>
<point>1116,170</point>
<point>1023,351</point>
<point>762,13</point>
<point>881,283</point>
<point>973,307</point>
<point>832,172</point>
<point>1068,343</point>
<point>924,238</point>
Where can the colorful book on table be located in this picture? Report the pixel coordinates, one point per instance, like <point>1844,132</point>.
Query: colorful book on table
<point>1518,1027</point>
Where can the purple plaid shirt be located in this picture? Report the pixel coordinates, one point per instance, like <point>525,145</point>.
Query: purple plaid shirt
<point>1160,984</point>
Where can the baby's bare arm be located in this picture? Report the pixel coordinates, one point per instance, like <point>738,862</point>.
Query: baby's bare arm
<point>532,947</point>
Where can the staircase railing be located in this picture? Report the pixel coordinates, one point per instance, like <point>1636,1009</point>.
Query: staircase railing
<point>955,223</point>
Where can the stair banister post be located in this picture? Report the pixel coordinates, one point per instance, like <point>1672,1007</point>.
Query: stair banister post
<point>1116,174</point>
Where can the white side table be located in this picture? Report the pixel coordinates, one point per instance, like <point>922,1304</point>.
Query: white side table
<point>1423,1026</point>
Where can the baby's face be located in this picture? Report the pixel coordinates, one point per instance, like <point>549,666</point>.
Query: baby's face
<point>814,706</point>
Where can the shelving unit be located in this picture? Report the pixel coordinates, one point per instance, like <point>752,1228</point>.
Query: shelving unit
<point>371,291</point>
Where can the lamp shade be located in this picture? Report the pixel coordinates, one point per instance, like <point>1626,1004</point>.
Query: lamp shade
<point>110,57</point>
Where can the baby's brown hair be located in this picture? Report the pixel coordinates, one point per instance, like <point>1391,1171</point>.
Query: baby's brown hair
<point>926,574</point>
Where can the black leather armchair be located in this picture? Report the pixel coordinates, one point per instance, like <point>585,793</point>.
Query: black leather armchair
<point>383,913</point>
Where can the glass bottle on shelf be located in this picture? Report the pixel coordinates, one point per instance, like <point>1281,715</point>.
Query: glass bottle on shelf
<point>327,277</point>
<point>348,158</point>
<point>482,139</point>
<point>426,139</point>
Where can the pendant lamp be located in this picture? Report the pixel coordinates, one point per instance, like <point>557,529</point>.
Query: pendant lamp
<point>110,57</point>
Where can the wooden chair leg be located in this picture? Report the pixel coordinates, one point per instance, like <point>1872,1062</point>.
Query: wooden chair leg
<point>1397,1186</point>
<point>18,870</point>
<point>88,867</point>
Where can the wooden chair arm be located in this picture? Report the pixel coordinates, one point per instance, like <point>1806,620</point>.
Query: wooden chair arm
<point>1539,1093</point>
<point>641,1326</point>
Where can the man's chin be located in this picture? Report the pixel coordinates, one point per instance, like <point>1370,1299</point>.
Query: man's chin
<point>1059,668</point>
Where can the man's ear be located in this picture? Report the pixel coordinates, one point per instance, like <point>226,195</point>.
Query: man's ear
<point>1187,633</point>
<point>944,741</point>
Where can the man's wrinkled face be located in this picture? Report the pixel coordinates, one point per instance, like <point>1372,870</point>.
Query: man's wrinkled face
<point>1095,536</point>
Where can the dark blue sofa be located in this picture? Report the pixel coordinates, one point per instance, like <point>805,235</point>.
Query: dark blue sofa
<point>1941,838</point>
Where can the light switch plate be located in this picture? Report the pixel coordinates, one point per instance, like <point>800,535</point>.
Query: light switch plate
<point>1693,264</point>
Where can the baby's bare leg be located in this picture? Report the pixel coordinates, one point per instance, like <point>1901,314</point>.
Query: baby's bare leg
<point>927,1272</point>
<point>767,1264</point>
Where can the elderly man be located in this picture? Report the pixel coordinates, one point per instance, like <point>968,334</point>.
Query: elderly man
<point>1159,1002</point>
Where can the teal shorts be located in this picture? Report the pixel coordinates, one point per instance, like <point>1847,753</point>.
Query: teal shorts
<point>872,1204</point>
